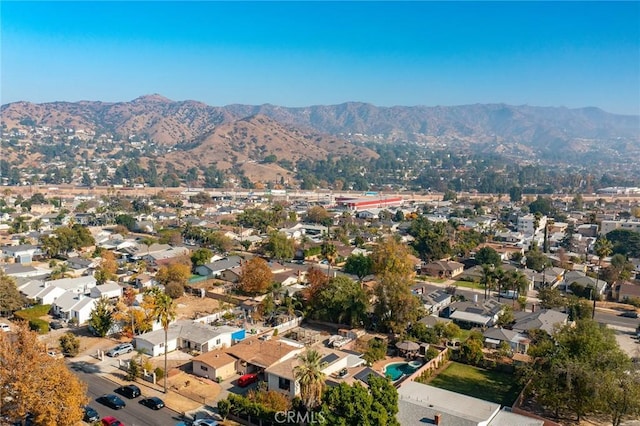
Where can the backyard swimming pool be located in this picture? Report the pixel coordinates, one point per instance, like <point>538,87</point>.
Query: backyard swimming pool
<point>398,369</point>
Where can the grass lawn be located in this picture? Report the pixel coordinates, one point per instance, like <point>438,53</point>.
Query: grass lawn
<point>493,386</point>
<point>468,284</point>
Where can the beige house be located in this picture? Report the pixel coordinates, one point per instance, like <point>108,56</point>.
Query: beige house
<point>214,364</point>
<point>443,269</point>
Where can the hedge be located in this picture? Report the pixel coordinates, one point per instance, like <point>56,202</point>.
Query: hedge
<point>34,312</point>
<point>41,326</point>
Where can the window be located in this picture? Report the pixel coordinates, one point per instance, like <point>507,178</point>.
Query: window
<point>218,341</point>
<point>202,367</point>
<point>283,383</point>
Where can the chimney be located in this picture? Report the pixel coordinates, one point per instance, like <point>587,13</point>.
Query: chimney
<point>436,419</point>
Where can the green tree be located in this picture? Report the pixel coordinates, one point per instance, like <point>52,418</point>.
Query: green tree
<point>431,239</point>
<point>309,374</point>
<point>101,319</point>
<point>625,242</point>
<point>572,372</point>
<point>201,256</point>
<point>376,350</point>
<point>358,265</point>
<point>355,405</point>
<point>537,260</point>
<point>506,317</point>
<point>127,221</point>
<point>133,372</point>
<point>515,194</point>
<point>279,246</point>
<point>10,298</point>
<point>471,351</point>
<point>164,311</point>
<point>488,256</point>
<point>551,298</point>
<point>341,300</point>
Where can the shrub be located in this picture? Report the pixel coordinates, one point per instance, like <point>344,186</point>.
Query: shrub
<point>224,406</point>
<point>431,353</point>
<point>69,344</point>
<point>174,290</point>
<point>159,373</point>
<point>134,370</point>
<point>41,326</point>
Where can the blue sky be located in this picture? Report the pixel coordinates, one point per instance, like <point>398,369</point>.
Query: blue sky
<point>570,54</point>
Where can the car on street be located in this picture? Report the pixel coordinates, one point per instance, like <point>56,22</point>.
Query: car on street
<point>111,421</point>
<point>205,422</point>
<point>121,349</point>
<point>130,391</point>
<point>153,402</point>
<point>247,379</point>
<point>5,327</point>
<point>629,314</point>
<point>90,415</point>
<point>111,400</point>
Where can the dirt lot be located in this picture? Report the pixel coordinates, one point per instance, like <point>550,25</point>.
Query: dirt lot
<point>190,307</point>
<point>195,388</point>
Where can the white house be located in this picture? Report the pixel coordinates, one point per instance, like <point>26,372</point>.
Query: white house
<point>527,224</point>
<point>111,290</point>
<point>23,253</point>
<point>280,376</point>
<point>188,335</point>
<point>214,269</point>
<point>74,306</point>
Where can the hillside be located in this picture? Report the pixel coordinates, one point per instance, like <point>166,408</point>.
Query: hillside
<point>521,131</point>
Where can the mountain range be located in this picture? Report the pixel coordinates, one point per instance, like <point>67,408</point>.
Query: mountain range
<point>244,132</point>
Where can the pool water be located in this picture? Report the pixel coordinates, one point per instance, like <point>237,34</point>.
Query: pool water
<point>398,369</point>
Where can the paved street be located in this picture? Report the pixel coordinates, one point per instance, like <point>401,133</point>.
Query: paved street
<point>134,414</point>
<point>615,320</point>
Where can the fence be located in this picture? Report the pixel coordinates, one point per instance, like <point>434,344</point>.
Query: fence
<point>145,375</point>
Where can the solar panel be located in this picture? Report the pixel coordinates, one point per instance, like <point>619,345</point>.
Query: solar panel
<point>329,358</point>
<point>363,376</point>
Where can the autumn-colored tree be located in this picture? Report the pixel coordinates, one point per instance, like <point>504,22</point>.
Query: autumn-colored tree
<point>392,257</point>
<point>318,214</point>
<point>174,273</point>
<point>33,382</point>
<point>316,280</point>
<point>255,276</point>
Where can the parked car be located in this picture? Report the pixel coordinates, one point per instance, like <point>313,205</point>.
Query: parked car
<point>111,400</point>
<point>121,349</point>
<point>111,421</point>
<point>247,379</point>
<point>130,391</point>
<point>90,415</point>
<point>153,402</point>
<point>56,325</point>
<point>205,422</point>
<point>5,327</point>
<point>629,314</point>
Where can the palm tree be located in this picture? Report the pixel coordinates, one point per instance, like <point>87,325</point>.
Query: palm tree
<point>310,376</point>
<point>488,274</point>
<point>164,311</point>
<point>517,281</point>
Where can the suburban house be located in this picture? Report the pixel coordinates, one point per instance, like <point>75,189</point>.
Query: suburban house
<point>505,251</point>
<point>214,269</point>
<point>625,291</point>
<point>256,355</point>
<point>443,269</point>
<point>18,270</point>
<point>165,256</point>
<point>190,335</point>
<point>23,253</point>
<point>423,404</point>
<point>43,291</point>
<point>73,306</point>
<point>544,319</point>
<point>214,364</point>
<point>518,343</point>
<point>81,264</point>
<point>280,377</point>
<point>110,290</point>
<point>434,301</point>
<point>582,279</point>
<point>474,314</point>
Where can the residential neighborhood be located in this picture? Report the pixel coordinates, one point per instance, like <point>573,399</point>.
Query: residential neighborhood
<point>260,293</point>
